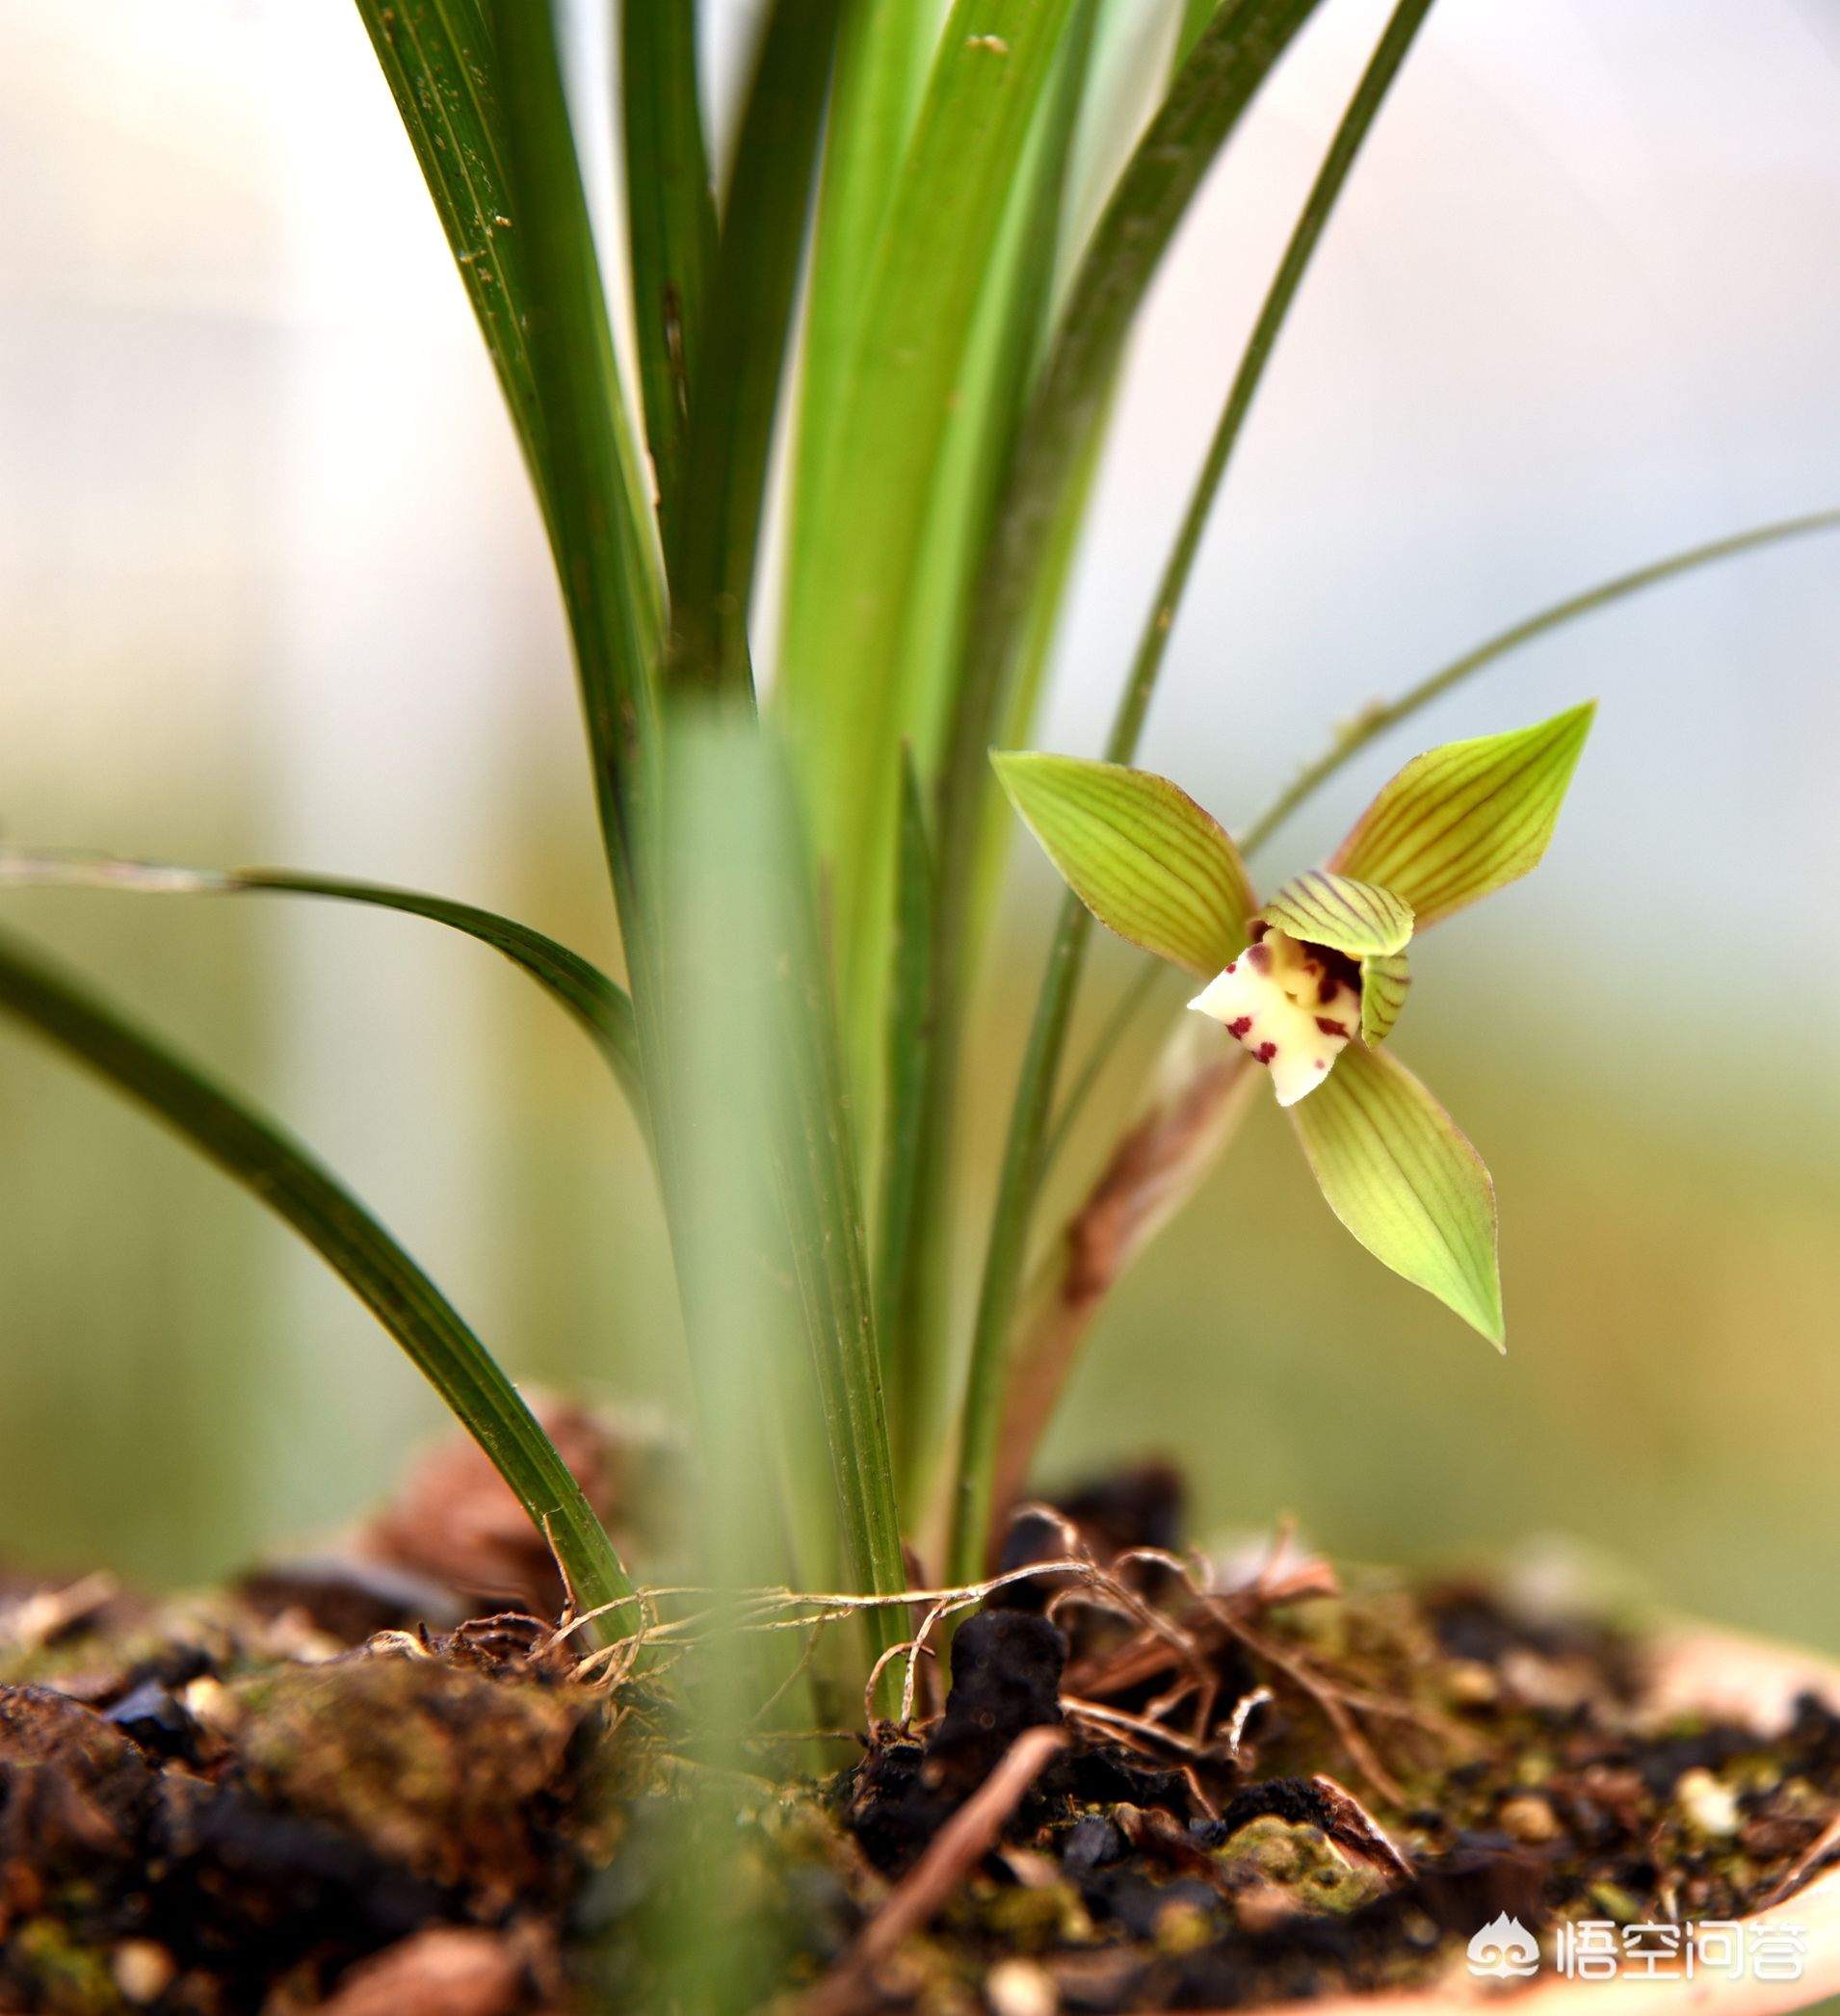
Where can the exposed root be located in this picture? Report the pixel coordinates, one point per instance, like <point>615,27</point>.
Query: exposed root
<point>1180,1723</point>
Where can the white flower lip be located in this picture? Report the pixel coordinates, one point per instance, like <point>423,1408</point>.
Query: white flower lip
<point>1282,1003</point>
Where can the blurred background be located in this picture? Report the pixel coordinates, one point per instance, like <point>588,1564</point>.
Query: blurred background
<point>272,588</point>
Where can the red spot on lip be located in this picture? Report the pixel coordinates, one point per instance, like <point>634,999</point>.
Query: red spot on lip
<point>1266,1052</point>
<point>1240,1026</point>
<point>1329,1027</point>
<point>1232,965</point>
<point>1322,1064</point>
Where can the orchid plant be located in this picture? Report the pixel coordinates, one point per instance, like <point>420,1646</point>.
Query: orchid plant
<point>1311,983</point>
<point>916,280</point>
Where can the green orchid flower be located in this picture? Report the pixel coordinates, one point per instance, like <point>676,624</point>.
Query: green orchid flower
<point>1312,982</point>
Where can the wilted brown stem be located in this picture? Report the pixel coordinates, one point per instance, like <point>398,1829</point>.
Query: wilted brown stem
<point>1159,1163</point>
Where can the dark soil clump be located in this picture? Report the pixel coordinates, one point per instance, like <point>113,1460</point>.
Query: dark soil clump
<point>311,1795</point>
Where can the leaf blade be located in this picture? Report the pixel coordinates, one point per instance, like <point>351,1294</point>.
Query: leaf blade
<point>865,525</point>
<point>714,558</point>
<point>902,1262</point>
<point>670,225</point>
<point>1144,858</point>
<point>1375,721</point>
<point>436,58</point>
<point>882,55</point>
<point>254,1152</point>
<point>1396,1170</point>
<point>593,498</point>
<point>1222,73</point>
<point>743,927</point>
<point>1468,818</point>
<point>601,1006</point>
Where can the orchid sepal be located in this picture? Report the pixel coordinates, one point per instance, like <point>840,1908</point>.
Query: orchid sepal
<point>1467,818</point>
<point>1403,1179</point>
<point>1141,855</point>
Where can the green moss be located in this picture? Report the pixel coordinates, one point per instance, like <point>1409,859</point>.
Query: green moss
<point>70,1978</point>
<point>442,1769</point>
<point>1300,1860</point>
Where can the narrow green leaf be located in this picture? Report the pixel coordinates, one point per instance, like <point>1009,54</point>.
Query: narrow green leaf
<point>762,986</point>
<point>480,89</point>
<point>882,56</point>
<point>1196,16</point>
<point>973,1499</point>
<point>736,394</point>
<point>829,1249</point>
<point>437,59</point>
<point>749,1359</point>
<point>575,983</point>
<point>1008,336</point>
<point>1224,72</point>
<point>1335,911</point>
<point>1378,720</point>
<point>1396,1172</point>
<point>1034,653</point>
<point>254,1152</point>
<point>671,221</point>
<point>862,536</point>
<point>1462,820</point>
<point>904,1270</point>
<point>594,501</point>
<point>1142,856</point>
<point>1386,978</point>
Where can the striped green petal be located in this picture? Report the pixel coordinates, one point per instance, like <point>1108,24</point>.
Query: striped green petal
<point>1385,980</point>
<point>1394,1167</point>
<point>1142,856</point>
<point>1349,916</point>
<point>1462,820</point>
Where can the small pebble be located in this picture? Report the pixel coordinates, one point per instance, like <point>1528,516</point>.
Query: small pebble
<point>1471,1683</point>
<point>1020,1988</point>
<point>1182,1928</point>
<point>1712,1807</point>
<point>143,1968</point>
<point>209,1701</point>
<point>1529,1818</point>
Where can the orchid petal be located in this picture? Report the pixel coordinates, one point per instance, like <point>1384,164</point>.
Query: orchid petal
<point>1285,1010</point>
<point>1350,916</point>
<point>1385,980</point>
